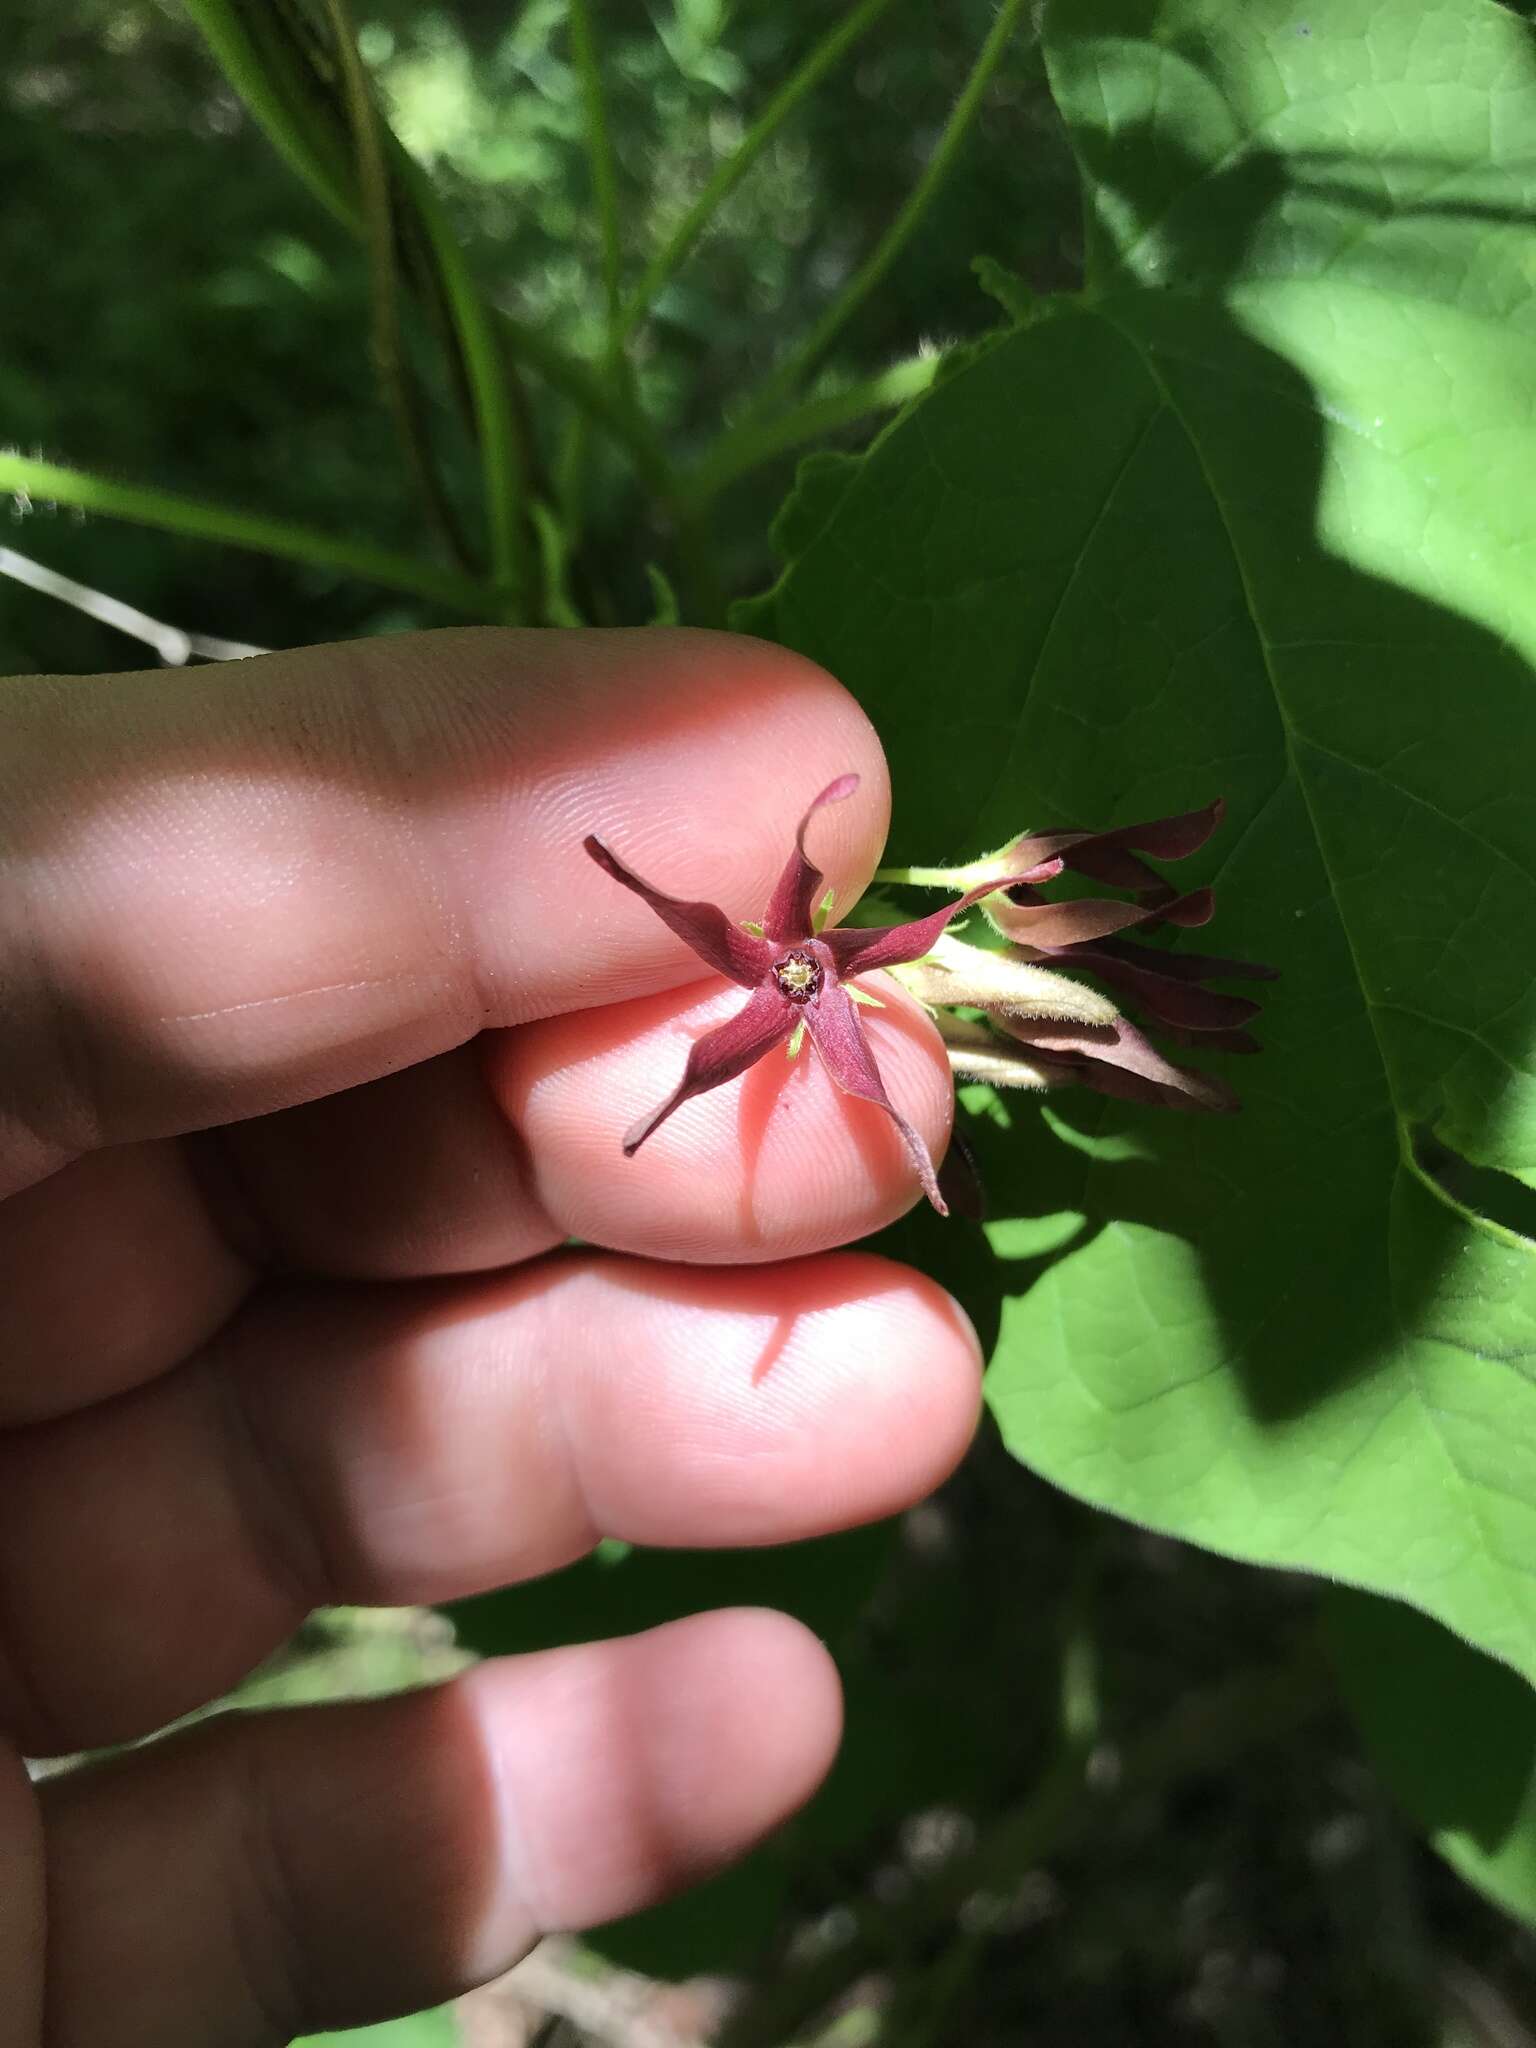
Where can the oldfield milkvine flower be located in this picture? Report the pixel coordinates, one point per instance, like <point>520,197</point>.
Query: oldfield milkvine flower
<point>1055,1030</point>
<point>797,977</point>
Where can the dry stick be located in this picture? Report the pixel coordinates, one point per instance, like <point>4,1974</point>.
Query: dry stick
<point>1197,1736</point>
<point>174,645</point>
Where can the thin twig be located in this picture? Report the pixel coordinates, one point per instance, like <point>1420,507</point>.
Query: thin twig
<point>174,644</point>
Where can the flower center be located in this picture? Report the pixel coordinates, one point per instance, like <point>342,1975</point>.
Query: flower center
<point>798,976</point>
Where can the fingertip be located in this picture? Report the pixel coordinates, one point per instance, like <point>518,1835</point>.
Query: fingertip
<point>775,1164</point>
<point>626,1770</point>
<point>361,855</point>
<point>273,1874</point>
<point>753,1404</point>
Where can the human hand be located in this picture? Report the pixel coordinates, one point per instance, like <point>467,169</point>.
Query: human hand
<point>329,911</point>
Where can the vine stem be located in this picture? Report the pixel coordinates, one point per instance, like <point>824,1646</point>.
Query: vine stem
<point>605,189</point>
<point>501,453</point>
<point>29,479</point>
<point>728,175</point>
<point>379,234</point>
<point>753,442</point>
<point>234,32</point>
<point>797,365</point>
<point>244,38</point>
<point>926,878</point>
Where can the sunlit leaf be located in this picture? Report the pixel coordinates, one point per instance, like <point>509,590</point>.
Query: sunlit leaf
<point>1454,1736</point>
<point>1253,517</point>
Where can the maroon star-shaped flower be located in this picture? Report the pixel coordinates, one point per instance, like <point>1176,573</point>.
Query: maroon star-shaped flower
<point>796,976</point>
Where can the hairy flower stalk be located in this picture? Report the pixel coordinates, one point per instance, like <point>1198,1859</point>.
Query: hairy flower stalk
<point>1045,1029</point>
<point>799,979</point>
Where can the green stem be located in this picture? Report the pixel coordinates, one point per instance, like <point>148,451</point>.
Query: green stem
<point>575,380</point>
<point>923,878</point>
<point>247,42</point>
<point>627,425</point>
<point>389,358</point>
<point>754,442</point>
<point>730,174</point>
<point>572,465</point>
<point>802,360</point>
<point>51,482</point>
<point>605,189</point>
<point>501,454</point>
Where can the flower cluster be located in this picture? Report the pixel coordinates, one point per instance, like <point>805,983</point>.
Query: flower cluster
<point>1043,1028</point>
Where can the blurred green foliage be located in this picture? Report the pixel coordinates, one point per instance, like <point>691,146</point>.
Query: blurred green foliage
<point>191,318</point>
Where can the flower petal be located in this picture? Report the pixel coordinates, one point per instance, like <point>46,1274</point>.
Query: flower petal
<point>977,1054</point>
<point>788,917</point>
<point>1171,997</point>
<point>1108,856</point>
<point>720,1055</point>
<point>1078,922</point>
<point>861,951</point>
<point>1196,908</point>
<point>1117,1060</point>
<point>838,1036</point>
<point>1197,966</point>
<point>1211,1041</point>
<point>1060,925</point>
<point>718,942</point>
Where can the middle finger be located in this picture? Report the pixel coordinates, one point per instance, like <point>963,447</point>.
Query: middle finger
<point>423,1442</point>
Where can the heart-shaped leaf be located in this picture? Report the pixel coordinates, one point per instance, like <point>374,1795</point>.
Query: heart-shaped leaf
<point>1254,516</point>
<point>1453,1734</point>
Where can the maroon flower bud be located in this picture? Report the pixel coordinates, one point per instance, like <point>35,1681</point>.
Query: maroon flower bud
<point>1056,1042</point>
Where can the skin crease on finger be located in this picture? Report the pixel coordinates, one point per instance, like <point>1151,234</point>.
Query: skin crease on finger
<point>769,1166</point>
<point>347,862</point>
<point>419,1444</point>
<point>352,858</point>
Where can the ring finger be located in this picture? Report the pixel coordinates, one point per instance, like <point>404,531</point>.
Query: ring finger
<point>423,1442</point>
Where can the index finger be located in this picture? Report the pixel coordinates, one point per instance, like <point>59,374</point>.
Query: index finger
<point>228,893</point>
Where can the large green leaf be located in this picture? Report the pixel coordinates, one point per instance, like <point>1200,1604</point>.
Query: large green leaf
<point>1453,1734</point>
<point>1255,515</point>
